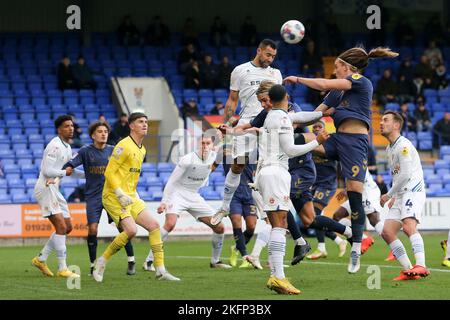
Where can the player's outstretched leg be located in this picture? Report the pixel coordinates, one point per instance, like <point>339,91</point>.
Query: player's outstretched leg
<point>262,239</point>
<point>232,181</point>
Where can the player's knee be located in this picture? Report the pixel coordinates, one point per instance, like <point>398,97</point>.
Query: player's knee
<point>238,166</point>
<point>131,231</point>
<point>388,235</point>
<point>373,219</point>
<point>169,227</point>
<point>307,221</point>
<point>409,229</point>
<point>219,228</point>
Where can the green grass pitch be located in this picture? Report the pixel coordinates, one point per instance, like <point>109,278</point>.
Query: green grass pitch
<point>189,260</point>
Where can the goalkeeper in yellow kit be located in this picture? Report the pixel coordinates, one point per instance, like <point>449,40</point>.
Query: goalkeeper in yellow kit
<point>122,202</point>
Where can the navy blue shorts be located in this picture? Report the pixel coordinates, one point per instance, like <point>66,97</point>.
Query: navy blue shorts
<point>94,209</point>
<point>323,193</point>
<point>243,205</point>
<point>301,184</point>
<point>352,151</point>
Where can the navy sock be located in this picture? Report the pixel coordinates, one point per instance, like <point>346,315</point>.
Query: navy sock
<point>331,235</point>
<point>92,247</point>
<point>240,241</point>
<point>293,227</point>
<point>358,216</point>
<point>320,234</point>
<point>129,249</point>
<point>327,224</point>
<point>248,236</point>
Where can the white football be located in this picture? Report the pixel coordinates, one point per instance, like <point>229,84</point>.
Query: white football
<point>292,31</point>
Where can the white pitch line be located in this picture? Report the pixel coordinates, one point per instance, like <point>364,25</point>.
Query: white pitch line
<point>319,262</point>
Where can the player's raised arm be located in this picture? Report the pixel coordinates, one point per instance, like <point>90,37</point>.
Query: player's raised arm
<point>304,117</point>
<point>231,105</point>
<point>293,150</point>
<point>320,84</point>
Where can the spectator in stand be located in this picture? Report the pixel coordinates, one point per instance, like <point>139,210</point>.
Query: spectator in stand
<point>78,195</point>
<point>405,90</point>
<point>219,33</point>
<point>442,129</point>
<point>423,69</point>
<point>310,61</point>
<point>409,122</point>
<point>158,33</point>
<point>441,77</point>
<point>83,75</point>
<point>128,33</point>
<point>372,160</point>
<point>77,132</point>
<point>249,35</point>
<point>406,69</point>
<point>386,88</point>
<point>189,33</point>
<point>192,76</point>
<point>102,118</point>
<point>404,33</point>
<point>224,73</point>
<point>189,108</point>
<point>65,75</point>
<point>422,116</point>
<point>434,55</point>
<point>418,86</point>
<point>208,73</point>
<point>186,56</point>
<point>381,184</point>
<point>120,129</point>
<point>218,109</point>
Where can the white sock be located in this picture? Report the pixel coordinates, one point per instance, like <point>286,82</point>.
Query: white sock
<point>277,249</point>
<point>131,259</point>
<point>59,242</point>
<point>164,235</point>
<point>338,240</point>
<point>379,227</point>
<point>262,239</point>
<point>300,241</point>
<point>348,227</point>
<point>217,243</point>
<point>447,256</point>
<point>232,181</point>
<point>321,246</point>
<point>356,246</point>
<point>364,236</point>
<point>48,248</point>
<point>160,269</point>
<point>399,251</point>
<point>418,248</point>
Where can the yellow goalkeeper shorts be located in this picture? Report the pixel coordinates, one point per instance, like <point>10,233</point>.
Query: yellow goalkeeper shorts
<point>117,212</point>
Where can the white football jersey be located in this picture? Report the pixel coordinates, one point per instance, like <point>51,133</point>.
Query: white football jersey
<point>371,189</point>
<point>195,171</point>
<point>401,154</point>
<point>246,78</point>
<point>277,123</point>
<point>56,155</point>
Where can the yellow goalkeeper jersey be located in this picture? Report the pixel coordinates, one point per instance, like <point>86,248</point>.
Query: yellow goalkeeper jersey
<point>124,167</point>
